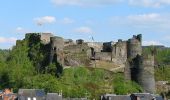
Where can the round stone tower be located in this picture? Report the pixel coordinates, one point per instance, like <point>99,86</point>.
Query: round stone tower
<point>57,45</point>
<point>134,51</point>
<point>141,65</point>
<point>134,46</point>
<point>146,74</point>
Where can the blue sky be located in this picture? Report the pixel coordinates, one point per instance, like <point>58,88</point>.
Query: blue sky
<point>105,20</point>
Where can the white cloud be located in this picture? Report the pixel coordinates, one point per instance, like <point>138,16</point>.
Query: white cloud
<point>66,2</point>
<point>7,40</point>
<point>149,22</point>
<point>153,25</point>
<point>19,29</point>
<point>153,21</point>
<point>67,20</point>
<point>148,43</point>
<point>45,20</point>
<point>83,30</point>
<point>85,2</point>
<point>150,3</point>
<point>144,17</point>
<point>143,3</point>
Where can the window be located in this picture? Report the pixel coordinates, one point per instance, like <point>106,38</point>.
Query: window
<point>54,48</point>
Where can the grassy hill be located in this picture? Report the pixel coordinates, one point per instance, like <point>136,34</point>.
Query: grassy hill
<point>92,82</point>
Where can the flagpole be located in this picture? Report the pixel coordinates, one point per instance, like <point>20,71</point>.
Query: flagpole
<point>94,52</point>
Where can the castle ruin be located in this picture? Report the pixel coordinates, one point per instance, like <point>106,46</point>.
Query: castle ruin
<point>128,55</point>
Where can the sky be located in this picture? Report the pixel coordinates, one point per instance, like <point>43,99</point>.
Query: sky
<point>104,20</point>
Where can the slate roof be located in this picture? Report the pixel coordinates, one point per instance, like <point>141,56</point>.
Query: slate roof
<point>53,96</point>
<point>26,94</point>
<point>142,96</point>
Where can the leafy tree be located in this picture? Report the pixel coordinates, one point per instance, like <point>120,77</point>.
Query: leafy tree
<point>19,65</point>
<point>4,55</point>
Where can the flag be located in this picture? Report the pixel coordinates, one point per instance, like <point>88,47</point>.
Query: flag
<point>92,38</point>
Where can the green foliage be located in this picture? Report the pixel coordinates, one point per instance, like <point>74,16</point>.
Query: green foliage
<point>81,82</point>
<point>35,53</point>
<point>4,55</point>
<point>19,65</point>
<point>51,69</point>
<point>39,56</point>
<point>59,67</point>
<point>163,56</point>
<point>162,73</point>
<point>122,86</point>
<point>4,76</point>
<point>73,81</point>
<point>45,81</point>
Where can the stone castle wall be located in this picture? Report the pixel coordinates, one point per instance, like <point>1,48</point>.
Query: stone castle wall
<point>98,46</point>
<point>106,56</point>
<point>76,48</point>
<point>119,51</point>
<point>128,53</point>
<point>45,37</point>
<point>116,52</point>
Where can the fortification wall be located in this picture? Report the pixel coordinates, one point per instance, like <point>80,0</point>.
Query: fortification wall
<point>45,37</point>
<point>68,42</point>
<point>106,56</point>
<point>107,47</point>
<point>127,70</point>
<point>76,48</point>
<point>120,50</point>
<point>96,45</point>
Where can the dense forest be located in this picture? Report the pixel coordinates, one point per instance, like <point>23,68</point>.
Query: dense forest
<point>24,67</point>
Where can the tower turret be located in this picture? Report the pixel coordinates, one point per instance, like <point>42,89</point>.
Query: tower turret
<point>141,65</point>
<point>146,76</point>
<point>57,45</point>
<point>134,46</point>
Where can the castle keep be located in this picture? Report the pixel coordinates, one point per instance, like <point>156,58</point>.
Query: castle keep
<point>121,54</point>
